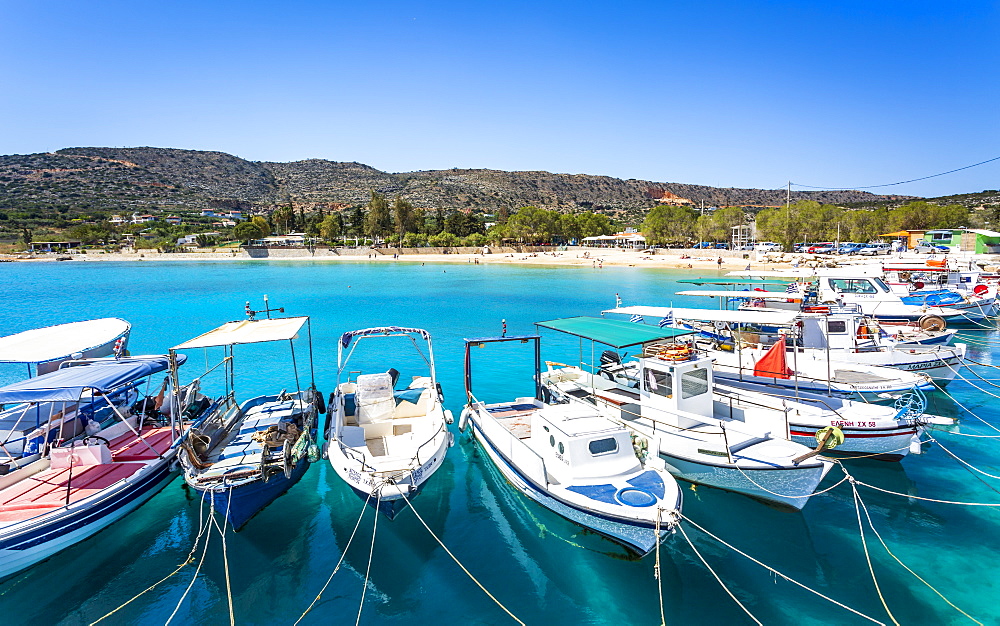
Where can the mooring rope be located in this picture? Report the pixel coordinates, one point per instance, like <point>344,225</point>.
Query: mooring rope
<point>656,568</point>
<point>868,558</point>
<point>225,556</point>
<point>777,573</point>
<point>202,527</point>
<point>371,553</point>
<point>967,410</point>
<point>722,584</point>
<point>208,537</point>
<point>459,563</point>
<point>781,495</point>
<point>364,506</point>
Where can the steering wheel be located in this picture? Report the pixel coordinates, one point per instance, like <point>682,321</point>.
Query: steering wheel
<point>98,438</point>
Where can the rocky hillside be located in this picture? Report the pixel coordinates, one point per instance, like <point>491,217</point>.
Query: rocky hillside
<point>81,180</point>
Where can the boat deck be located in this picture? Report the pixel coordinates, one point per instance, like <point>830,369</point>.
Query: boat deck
<point>242,451</point>
<point>155,441</point>
<point>516,418</point>
<point>47,490</point>
<point>854,377</point>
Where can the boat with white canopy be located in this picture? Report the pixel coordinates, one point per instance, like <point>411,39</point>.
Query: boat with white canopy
<point>703,436</point>
<point>574,461</point>
<point>834,351</point>
<point>26,427</point>
<point>241,456</point>
<point>79,486</point>
<point>383,442</point>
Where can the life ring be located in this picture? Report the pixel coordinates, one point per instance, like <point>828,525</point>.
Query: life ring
<point>830,437</point>
<point>905,276</point>
<point>675,353</point>
<point>980,290</point>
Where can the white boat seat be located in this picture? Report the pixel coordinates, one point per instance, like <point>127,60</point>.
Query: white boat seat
<point>353,436</point>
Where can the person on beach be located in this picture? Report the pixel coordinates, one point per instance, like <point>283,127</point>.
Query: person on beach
<point>719,262</point>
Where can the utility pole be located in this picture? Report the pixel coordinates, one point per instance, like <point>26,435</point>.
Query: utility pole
<point>788,218</point>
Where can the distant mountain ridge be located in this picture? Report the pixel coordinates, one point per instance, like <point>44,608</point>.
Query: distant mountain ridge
<point>169,179</point>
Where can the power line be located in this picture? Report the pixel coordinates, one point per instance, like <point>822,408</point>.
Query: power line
<point>901,182</point>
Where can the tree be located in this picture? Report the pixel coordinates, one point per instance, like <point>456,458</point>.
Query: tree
<point>378,222</point>
<point>331,227</point>
<point>402,210</point>
<point>283,218</point>
<point>666,224</point>
<point>245,231</point>
<point>262,226</point>
<point>204,241</point>
<point>357,227</point>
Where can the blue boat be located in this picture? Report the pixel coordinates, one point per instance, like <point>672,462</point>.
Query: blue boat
<point>241,456</point>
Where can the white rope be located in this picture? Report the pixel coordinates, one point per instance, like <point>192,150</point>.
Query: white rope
<point>781,495</point>
<point>962,461</point>
<point>969,382</point>
<point>202,527</point>
<point>917,576</point>
<point>656,568</point>
<point>197,570</point>
<point>906,495</point>
<point>724,587</point>
<point>343,554</point>
<point>868,558</point>
<point>459,563</point>
<point>777,573</point>
<point>966,409</point>
<point>371,552</point>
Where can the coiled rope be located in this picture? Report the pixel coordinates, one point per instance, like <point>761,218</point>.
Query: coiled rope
<point>459,563</point>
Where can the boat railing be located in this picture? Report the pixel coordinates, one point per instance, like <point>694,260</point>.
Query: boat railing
<point>355,455</point>
<point>743,399</point>
<point>416,456</point>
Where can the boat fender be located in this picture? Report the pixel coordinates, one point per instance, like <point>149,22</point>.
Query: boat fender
<point>834,439</point>
<point>313,452</point>
<point>641,446</point>
<point>286,456</point>
<point>449,418</point>
<point>317,399</point>
<point>915,445</point>
<point>463,420</point>
<point>863,331</point>
<point>451,439</point>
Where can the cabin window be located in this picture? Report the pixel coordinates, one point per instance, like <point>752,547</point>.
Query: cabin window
<point>660,383</point>
<point>603,446</point>
<point>881,284</point>
<point>552,440</point>
<point>839,326</point>
<point>845,285</point>
<point>694,383</point>
<point>562,448</point>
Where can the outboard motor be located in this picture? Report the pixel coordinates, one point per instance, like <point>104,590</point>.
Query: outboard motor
<point>394,375</point>
<point>610,361</point>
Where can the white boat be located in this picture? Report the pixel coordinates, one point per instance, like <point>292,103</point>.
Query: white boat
<point>83,485</point>
<point>386,443</point>
<point>25,428</point>
<point>703,437</point>
<point>835,350</point>
<point>576,462</point>
<point>242,456</point>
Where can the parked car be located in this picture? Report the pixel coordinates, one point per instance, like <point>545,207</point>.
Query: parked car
<point>873,249</point>
<point>849,248</point>
<point>926,247</point>
<point>821,248</point>
<point>721,246</point>
<point>768,246</point>
<point>701,245</point>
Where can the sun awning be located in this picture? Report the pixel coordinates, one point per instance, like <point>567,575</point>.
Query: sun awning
<point>901,233</point>
<point>777,317</point>
<point>247,331</point>
<point>68,384</point>
<point>52,343</point>
<point>614,333</point>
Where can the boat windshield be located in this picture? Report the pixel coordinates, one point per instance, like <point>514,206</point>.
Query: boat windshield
<point>881,285</point>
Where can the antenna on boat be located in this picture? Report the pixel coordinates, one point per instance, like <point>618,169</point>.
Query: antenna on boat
<point>267,310</point>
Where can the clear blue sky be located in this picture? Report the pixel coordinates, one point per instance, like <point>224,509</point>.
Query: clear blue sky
<point>730,94</point>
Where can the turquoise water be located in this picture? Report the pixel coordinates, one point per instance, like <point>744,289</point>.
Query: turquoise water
<point>544,569</point>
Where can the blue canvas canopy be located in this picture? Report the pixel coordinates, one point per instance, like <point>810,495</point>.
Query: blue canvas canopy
<point>345,339</point>
<point>68,384</point>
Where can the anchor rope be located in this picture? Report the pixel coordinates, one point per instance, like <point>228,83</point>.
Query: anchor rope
<point>459,563</point>
<point>969,382</point>
<point>969,411</point>
<point>777,573</point>
<point>719,580</point>
<point>656,568</point>
<point>868,558</point>
<point>190,559</point>
<point>343,554</point>
<point>371,553</point>
<point>201,561</point>
<point>225,557</point>
<point>781,495</point>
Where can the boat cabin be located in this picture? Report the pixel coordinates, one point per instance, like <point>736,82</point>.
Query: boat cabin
<point>575,442</point>
<point>669,383</point>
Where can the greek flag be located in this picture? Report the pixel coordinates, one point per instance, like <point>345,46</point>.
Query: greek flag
<point>636,319</point>
<point>668,320</point>
<point>792,288</point>
<point>618,301</point>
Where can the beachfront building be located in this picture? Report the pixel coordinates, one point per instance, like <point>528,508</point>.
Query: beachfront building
<point>976,240</point>
<point>53,246</point>
<point>628,239</point>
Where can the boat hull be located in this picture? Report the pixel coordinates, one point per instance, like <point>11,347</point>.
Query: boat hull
<point>241,503</point>
<point>639,537</point>
<point>33,540</point>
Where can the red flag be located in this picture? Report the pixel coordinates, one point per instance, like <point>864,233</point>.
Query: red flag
<point>772,364</point>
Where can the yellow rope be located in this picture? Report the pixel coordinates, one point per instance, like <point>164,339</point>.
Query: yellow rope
<point>777,573</point>
<point>656,568</point>
<point>917,576</point>
<point>211,513</point>
<point>705,563</point>
<point>459,563</point>
<point>225,561</point>
<point>190,559</point>
<point>868,558</point>
<point>364,505</point>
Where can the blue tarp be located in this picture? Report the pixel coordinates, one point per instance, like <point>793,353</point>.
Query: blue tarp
<point>68,384</point>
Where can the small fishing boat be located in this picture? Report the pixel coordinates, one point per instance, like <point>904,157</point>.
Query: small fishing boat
<point>676,412</point>
<point>241,456</point>
<point>25,428</point>
<point>574,461</point>
<point>385,444</point>
<point>81,485</point>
